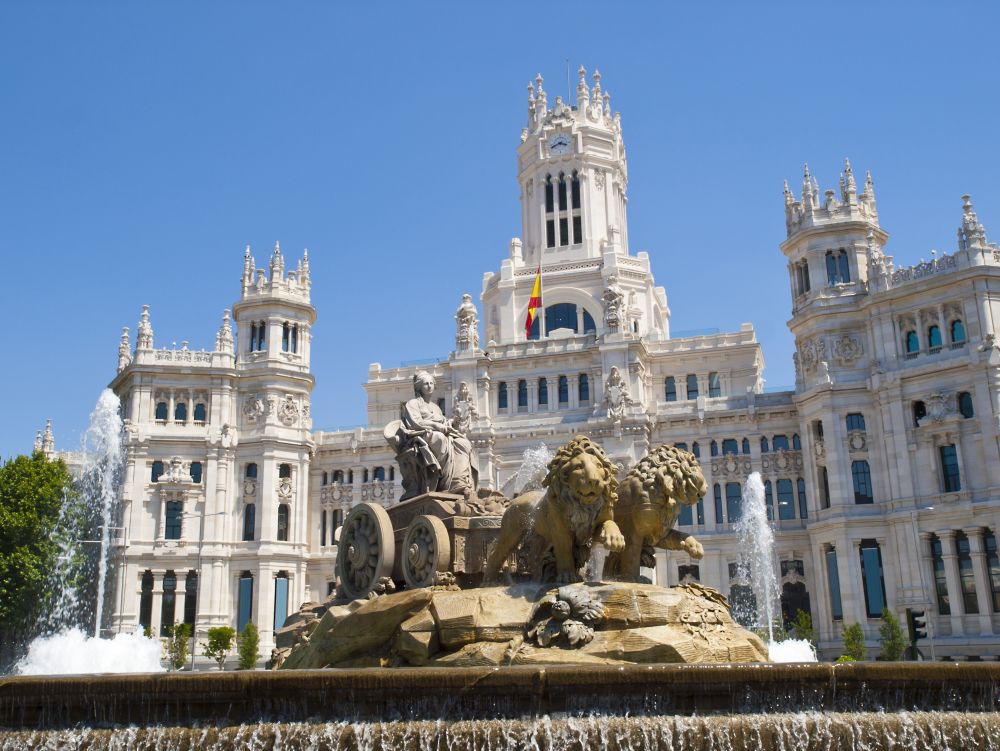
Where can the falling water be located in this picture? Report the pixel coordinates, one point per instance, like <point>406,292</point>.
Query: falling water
<point>69,641</point>
<point>530,474</point>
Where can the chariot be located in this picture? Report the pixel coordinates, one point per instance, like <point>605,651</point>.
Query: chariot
<point>416,543</point>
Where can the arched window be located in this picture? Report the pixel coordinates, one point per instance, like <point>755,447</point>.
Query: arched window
<point>911,342</point>
<point>589,327</point>
<point>714,385</point>
<point>200,413</point>
<point>172,518</point>
<point>563,390</point>
<point>576,192</point>
<point>543,392</point>
<point>261,340</point>
<point>392,474</point>
<point>714,446</point>
<point>584,388</point>
<point>965,405</point>
<point>502,396</point>
<point>575,206</point>
<point>855,421</point>
<point>919,413</point>
<point>717,496</point>
<point>803,506</point>
<point>734,502</point>
<point>769,500</point>
<point>549,195</point>
<point>244,601</point>
<point>251,471</point>
<point>252,344</point>
<point>550,222</point>
<point>249,522</point>
<point>190,597</point>
<point>325,478</point>
<point>692,386</point>
<point>379,474</point>
<point>562,191</point>
<point>957,332</point>
<point>696,450</point>
<point>745,447</point>
<point>522,394</point>
<point>146,600</point>
<point>992,566</point>
<point>779,443</point>
<point>364,475</point>
<point>796,442</point>
<point>284,470</point>
<point>560,316</point>
<point>764,447</point>
<point>168,603</point>
<point>283,522</point>
<point>280,599</point>
<point>862,477</point>
<point>670,389</point>
<point>156,472</point>
<point>934,337</point>
<point>284,337</point>
<point>161,411</point>
<point>729,446</point>
<point>350,477</point>
<point>180,412</point>
<point>338,475</point>
<point>681,445</point>
<point>843,269</point>
<point>195,472</point>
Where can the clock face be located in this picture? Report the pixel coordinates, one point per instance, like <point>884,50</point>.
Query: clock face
<point>559,144</point>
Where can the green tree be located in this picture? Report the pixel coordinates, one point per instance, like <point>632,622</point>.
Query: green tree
<point>219,644</point>
<point>32,492</point>
<point>892,637</point>
<point>802,627</point>
<point>177,647</point>
<point>249,647</point>
<point>854,642</point>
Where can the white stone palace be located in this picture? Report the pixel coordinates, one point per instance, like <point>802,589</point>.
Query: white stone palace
<point>882,467</point>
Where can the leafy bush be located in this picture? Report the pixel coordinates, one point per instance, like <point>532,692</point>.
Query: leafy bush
<point>177,646</point>
<point>892,638</point>
<point>802,627</point>
<point>219,644</point>
<point>854,642</point>
<point>846,658</point>
<point>249,646</point>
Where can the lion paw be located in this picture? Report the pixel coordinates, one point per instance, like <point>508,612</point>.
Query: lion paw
<point>612,538</point>
<point>693,547</point>
<point>568,577</point>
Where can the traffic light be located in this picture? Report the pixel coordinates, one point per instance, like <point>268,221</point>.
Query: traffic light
<point>916,624</point>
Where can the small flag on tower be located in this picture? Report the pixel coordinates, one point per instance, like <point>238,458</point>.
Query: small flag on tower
<point>535,303</point>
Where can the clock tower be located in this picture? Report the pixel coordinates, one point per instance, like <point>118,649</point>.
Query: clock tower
<point>572,174</point>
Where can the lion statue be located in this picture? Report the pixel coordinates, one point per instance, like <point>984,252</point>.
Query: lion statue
<point>650,501</point>
<point>575,505</point>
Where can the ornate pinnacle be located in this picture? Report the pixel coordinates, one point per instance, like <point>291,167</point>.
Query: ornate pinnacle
<point>789,198</point>
<point>224,338</point>
<point>38,441</point>
<point>582,91</point>
<point>852,187</point>
<point>144,334</point>
<point>124,358</point>
<point>48,440</point>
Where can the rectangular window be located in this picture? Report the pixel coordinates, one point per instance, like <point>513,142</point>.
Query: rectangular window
<point>577,230</point>
<point>563,231</point>
<point>786,500</point>
<point>522,394</point>
<point>970,604</point>
<point>280,600</point>
<point>779,443</point>
<point>550,233</point>
<point>190,597</point>
<point>718,504</point>
<point>562,194</point>
<point>173,516</point>
<point>168,603</point>
<point>871,577</point>
<point>670,389</point>
<point>803,506</point>
<point>701,512</point>
<point>940,579</point>
<point>729,446</point>
<point>833,581</point>
<point>855,421</point>
<point>824,486</point>
<point>714,385</point>
<point>734,502</point>
<point>543,392</point>
<point>769,500</point>
<point>686,517</point>
<point>549,199</point>
<point>993,564</point>
<point>146,601</point>
<point>563,390</point>
<point>322,528</point>
<point>861,476</point>
<point>249,522</point>
<point>949,469</point>
<point>244,607</point>
<point>195,472</point>
<point>576,193</point>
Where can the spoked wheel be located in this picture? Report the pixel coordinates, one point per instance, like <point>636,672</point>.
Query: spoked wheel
<point>426,551</point>
<point>366,551</point>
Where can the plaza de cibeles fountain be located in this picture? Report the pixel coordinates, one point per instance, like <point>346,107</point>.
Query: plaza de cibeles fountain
<point>463,620</point>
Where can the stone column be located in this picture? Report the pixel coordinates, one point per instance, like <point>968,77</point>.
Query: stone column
<point>852,588</point>
<point>190,408</point>
<point>574,391</point>
<point>983,595</point>
<point>950,557</point>
<point>532,395</point>
<point>553,386</point>
<point>170,407</point>
<point>157,600</point>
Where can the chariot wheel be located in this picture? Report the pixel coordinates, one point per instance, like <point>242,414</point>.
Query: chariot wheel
<point>366,550</point>
<point>426,551</point>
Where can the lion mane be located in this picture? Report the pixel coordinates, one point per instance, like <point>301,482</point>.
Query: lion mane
<point>666,472</point>
<point>566,460</point>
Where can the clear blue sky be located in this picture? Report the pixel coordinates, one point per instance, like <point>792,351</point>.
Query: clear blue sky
<point>143,145</point>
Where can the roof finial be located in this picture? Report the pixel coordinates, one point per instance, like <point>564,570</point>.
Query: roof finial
<point>807,189</point>
<point>38,442</point>
<point>144,334</point>
<point>224,337</point>
<point>851,191</point>
<point>582,90</point>
<point>124,356</point>
<point>789,198</point>
<point>48,440</point>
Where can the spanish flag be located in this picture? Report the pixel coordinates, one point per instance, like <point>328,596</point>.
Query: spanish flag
<point>535,303</point>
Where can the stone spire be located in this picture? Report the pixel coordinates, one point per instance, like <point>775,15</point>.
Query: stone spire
<point>277,263</point>
<point>541,99</point>
<point>248,270</point>
<point>38,442</point>
<point>867,197</point>
<point>851,187</point>
<point>48,440</point>
<point>582,90</point>
<point>302,270</point>
<point>144,335</point>
<point>224,337</point>
<point>124,349</point>
<point>789,198</point>
<point>466,325</point>
<point>807,191</point>
<point>972,234</point>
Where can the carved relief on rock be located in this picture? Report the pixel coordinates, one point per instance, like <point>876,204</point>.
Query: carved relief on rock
<point>249,486</point>
<point>940,406</point>
<point>847,349</point>
<point>253,408</point>
<point>285,488</point>
<point>811,353</point>
<point>288,411</point>
<point>614,305</point>
<point>857,441</point>
<point>616,396</point>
